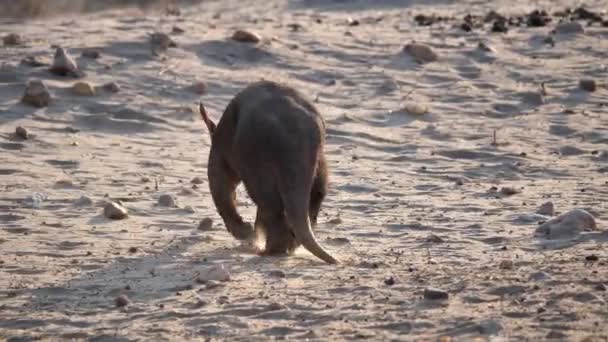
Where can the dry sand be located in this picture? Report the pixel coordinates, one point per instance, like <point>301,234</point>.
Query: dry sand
<point>416,200</point>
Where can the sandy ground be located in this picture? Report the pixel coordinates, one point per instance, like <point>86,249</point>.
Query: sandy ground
<point>415,199</point>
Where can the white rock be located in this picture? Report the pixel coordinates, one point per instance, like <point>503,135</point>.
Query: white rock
<point>567,225</point>
<point>421,53</point>
<point>35,200</point>
<point>64,64</point>
<point>573,27</point>
<point>213,273</point>
<point>115,211</point>
<point>415,108</point>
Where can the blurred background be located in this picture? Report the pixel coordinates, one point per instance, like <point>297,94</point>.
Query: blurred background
<point>41,8</point>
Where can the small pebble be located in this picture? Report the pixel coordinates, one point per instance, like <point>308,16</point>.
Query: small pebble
<point>415,108</point>
<point>197,180</point>
<point>189,209</point>
<point>36,94</point>
<point>84,201</point>
<point>91,53</point>
<point>213,273</point>
<point>389,281</point>
<point>166,200</point>
<point>572,27</point>
<point>588,85</point>
<point>435,294</point>
<point>434,239</point>
<point>245,36</point>
<point>547,209</point>
<point>506,265</point>
<point>591,257</point>
<point>600,287</point>
<point>206,224</point>
<point>121,301</point>
<point>132,250</point>
<point>421,53</point>
<point>177,30</point>
<point>112,87</point>
<point>115,211</point>
<point>160,42</point>
<point>33,61</point>
<point>277,274</point>
<point>199,87</point>
<point>21,133</point>
<point>508,191</point>
<point>83,89</point>
<point>12,39</point>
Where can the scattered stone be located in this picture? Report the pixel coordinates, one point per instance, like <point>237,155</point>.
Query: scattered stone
<point>189,209</point>
<point>539,276</point>
<point>568,224</point>
<point>160,42</point>
<point>428,20</point>
<point>121,301</point>
<point>36,199</point>
<point>335,220</point>
<point>390,281</point>
<point>112,87</point>
<point>600,287</point>
<point>485,47</point>
<point>197,180</point>
<point>572,27</point>
<point>352,22</point>
<point>21,133</point>
<point>588,85</point>
<point>547,209</point>
<point>177,30</point>
<point>415,108</point>
<point>33,61</point>
<point>199,87</point>
<point>36,94</point>
<point>277,274</point>
<point>83,89</point>
<point>213,273</point>
<point>435,294</point>
<point>570,151</point>
<point>506,265</point>
<point>434,239</point>
<point>132,250</point>
<point>12,39</point>
<point>421,53</point>
<point>500,26</point>
<point>84,201</point>
<point>206,224</point>
<point>91,53</point>
<point>592,257</point>
<point>64,64</point>
<point>166,200</point>
<point>508,191</point>
<point>115,211</point>
<point>245,36</point>
<point>186,192</point>
<point>538,18</point>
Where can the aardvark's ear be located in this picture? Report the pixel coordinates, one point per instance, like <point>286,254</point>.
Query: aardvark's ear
<point>210,124</point>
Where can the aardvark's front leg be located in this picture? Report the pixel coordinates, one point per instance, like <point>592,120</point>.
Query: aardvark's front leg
<point>222,184</point>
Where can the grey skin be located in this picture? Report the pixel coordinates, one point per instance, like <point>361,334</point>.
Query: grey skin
<point>271,138</point>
